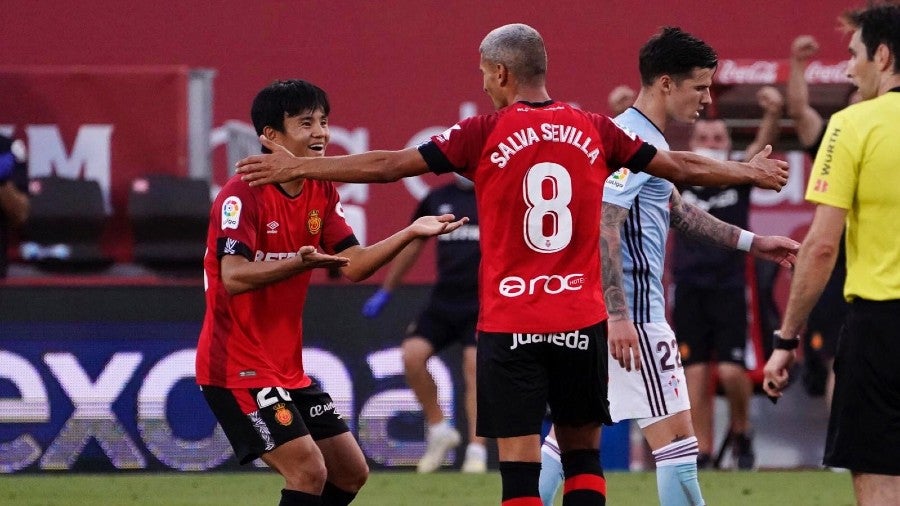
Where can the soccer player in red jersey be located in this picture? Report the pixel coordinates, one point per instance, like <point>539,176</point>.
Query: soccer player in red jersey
<point>262,244</point>
<point>539,166</point>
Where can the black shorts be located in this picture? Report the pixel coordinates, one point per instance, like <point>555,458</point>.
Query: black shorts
<point>864,426</point>
<point>441,328</point>
<point>519,375</point>
<point>710,324</point>
<point>258,420</point>
<point>826,319</point>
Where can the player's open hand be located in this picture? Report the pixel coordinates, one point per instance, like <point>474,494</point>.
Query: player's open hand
<point>623,344</point>
<point>768,173</point>
<point>428,226</point>
<point>776,372</point>
<point>313,259</point>
<point>275,167</point>
<point>775,248</point>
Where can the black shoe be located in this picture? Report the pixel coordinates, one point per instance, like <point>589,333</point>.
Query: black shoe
<point>704,461</point>
<point>742,451</point>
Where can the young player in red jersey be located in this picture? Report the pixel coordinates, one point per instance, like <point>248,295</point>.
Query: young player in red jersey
<point>262,243</point>
<point>539,167</point>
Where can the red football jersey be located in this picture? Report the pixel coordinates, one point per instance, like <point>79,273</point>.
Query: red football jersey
<point>255,339</point>
<point>539,171</point>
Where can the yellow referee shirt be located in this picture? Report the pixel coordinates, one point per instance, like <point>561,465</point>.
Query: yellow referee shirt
<point>857,168</point>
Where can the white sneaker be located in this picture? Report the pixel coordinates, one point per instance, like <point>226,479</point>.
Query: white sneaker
<point>440,440</point>
<point>476,459</point>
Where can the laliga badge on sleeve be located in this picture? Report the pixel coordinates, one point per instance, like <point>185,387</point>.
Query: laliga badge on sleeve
<point>231,212</point>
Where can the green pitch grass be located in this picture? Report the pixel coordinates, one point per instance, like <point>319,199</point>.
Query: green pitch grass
<point>794,488</point>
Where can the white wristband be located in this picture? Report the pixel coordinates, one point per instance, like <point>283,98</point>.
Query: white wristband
<point>745,240</point>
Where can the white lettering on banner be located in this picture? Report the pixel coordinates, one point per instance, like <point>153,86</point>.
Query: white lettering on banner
<point>757,72</point>
<point>156,431</point>
<point>93,415</point>
<point>574,340</point>
<point>374,438</point>
<point>89,158</point>
<point>819,73</point>
<point>33,406</point>
<point>552,284</point>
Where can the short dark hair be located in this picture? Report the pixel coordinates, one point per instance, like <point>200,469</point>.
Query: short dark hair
<point>878,24</point>
<point>674,52</point>
<point>284,99</point>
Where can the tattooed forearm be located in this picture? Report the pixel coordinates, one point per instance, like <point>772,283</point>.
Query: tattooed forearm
<point>611,261</point>
<point>699,224</point>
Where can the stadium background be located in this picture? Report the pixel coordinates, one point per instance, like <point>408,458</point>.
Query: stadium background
<point>395,73</point>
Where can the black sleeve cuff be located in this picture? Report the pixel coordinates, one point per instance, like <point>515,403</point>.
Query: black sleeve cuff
<point>348,241</point>
<point>435,158</point>
<point>641,158</point>
<point>226,246</point>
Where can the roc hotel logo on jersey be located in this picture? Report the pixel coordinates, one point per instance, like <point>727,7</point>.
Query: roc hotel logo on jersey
<point>618,179</point>
<point>231,213</point>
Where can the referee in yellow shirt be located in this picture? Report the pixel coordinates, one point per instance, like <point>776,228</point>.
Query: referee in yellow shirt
<point>856,180</point>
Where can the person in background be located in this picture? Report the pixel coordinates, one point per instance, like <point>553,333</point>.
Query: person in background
<point>827,316</point>
<point>638,210</point>
<point>262,245</point>
<point>539,166</point>
<point>448,318</point>
<point>855,184</point>
<point>710,307</point>
<point>14,203</point>
<point>620,98</point>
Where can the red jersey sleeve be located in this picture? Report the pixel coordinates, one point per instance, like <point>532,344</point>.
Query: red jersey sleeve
<point>623,148</point>
<point>458,148</point>
<point>235,217</point>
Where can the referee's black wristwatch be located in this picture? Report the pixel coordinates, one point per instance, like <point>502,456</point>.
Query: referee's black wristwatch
<point>782,343</point>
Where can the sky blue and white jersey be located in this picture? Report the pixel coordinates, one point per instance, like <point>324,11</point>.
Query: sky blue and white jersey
<point>644,232</point>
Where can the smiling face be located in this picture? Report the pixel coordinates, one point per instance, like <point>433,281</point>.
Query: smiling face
<point>305,134</point>
<point>686,98</point>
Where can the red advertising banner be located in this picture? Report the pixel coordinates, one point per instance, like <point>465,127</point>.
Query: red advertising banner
<point>109,124</point>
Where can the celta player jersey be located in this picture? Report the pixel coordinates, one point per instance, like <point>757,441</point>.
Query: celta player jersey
<point>254,339</point>
<point>645,230</point>
<point>458,253</point>
<point>858,169</point>
<point>538,171</point>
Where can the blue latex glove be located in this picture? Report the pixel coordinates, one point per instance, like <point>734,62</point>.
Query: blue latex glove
<point>7,163</point>
<point>376,303</point>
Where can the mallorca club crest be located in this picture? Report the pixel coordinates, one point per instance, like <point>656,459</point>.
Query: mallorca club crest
<point>283,414</point>
<point>314,222</point>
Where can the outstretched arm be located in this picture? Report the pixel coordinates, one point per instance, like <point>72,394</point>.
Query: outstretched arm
<point>364,261</point>
<point>686,168</point>
<point>699,224</point>
<point>240,275</point>
<point>807,121</point>
<point>772,104</point>
<point>623,339</point>
<point>281,166</point>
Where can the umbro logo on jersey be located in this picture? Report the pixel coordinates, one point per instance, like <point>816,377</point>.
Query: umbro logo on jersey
<point>445,135</point>
<point>272,226</point>
<point>230,245</point>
